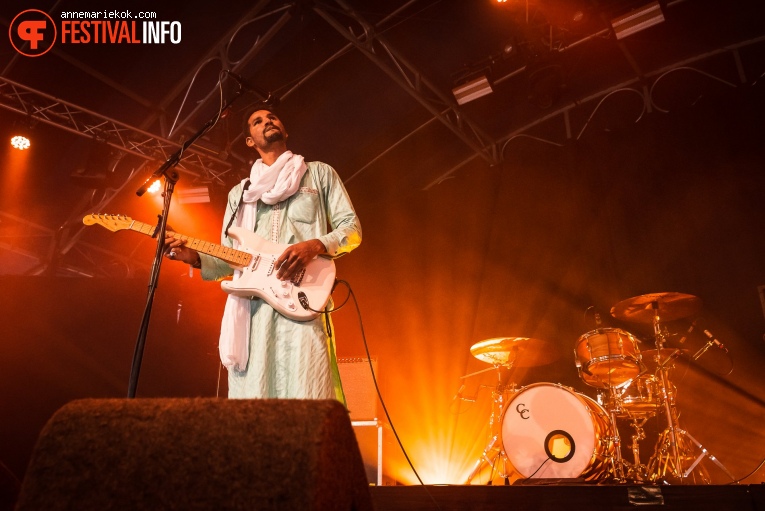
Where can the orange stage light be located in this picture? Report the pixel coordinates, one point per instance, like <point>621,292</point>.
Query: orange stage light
<point>155,187</point>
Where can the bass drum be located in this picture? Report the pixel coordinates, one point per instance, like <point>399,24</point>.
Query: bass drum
<point>551,431</point>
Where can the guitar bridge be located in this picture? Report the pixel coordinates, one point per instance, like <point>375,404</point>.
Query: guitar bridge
<point>297,280</point>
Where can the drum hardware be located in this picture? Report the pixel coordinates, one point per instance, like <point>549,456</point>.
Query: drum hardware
<point>505,352</point>
<point>672,448</point>
<point>638,409</point>
<point>637,472</point>
<point>667,355</point>
<point>706,453</point>
<point>663,463</point>
<point>493,452</point>
<point>617,463</point>
<point>653,309</point>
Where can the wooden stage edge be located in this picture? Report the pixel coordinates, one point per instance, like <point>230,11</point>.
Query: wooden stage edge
<point>568,497</point>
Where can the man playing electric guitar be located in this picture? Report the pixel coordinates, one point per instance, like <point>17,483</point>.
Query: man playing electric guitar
<point>286,201</point>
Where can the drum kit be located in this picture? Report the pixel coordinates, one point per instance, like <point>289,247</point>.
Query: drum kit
<point>552,432</point>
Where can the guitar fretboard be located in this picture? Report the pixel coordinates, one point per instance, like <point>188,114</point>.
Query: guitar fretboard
<point>230,255</point>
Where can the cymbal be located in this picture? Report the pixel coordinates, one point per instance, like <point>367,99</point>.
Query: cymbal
<point>672,306</point>
<point>515,351</point>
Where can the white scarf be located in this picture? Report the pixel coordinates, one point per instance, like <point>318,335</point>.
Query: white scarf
<point>271,184</point>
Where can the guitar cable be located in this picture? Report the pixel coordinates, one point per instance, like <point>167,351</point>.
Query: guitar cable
<point>326,312</point>
<point>374,380</point>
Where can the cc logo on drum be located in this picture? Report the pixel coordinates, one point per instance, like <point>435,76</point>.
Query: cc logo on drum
<point>521,410</point>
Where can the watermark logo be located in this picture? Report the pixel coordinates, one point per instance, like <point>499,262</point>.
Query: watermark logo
<point>32,33</point>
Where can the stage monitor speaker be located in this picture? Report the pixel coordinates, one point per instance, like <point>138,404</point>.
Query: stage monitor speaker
<point>203,453</point>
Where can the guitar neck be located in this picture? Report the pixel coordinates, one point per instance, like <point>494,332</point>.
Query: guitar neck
<point>231,256</point>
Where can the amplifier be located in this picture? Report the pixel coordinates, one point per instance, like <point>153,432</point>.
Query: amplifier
<point>359,388</point>
<point>361,396</point>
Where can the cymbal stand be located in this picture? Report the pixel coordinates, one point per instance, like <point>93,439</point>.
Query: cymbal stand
<point>662,463</point>
<point>671,427</point>
<point>706,453</point>
<point>494,450</point>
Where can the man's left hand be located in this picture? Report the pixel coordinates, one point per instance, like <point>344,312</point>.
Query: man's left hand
<point>296,257</point>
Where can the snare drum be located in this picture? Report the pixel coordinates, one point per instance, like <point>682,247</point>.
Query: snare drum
<point>607,357</point>
<point>551,431</point>
<point>643,397</point>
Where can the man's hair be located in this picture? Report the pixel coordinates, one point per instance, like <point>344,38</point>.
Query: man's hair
<point>249,110</point>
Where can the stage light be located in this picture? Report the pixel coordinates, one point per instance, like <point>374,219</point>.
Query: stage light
<point>473,89</point>
<point>96,169</point>
<point>194,195</point>
<point>637,20</point>
<point>22,133</point>
<point>155,187</point>
<point>20,142</point>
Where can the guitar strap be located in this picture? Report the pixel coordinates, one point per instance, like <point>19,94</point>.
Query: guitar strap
<point>241,198</point>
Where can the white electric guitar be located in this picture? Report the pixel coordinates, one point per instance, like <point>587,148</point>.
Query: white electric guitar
<point>255,258</point>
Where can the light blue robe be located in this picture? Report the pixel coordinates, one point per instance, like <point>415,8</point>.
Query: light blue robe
<point>287,358</point>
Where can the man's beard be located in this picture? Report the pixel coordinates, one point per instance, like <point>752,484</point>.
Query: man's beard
<point>274,135</point>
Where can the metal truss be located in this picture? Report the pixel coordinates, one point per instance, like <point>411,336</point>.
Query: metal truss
<point>28,240</point>
<point>50,110</point>
<point>442,106</point>
<point>221,52</point>
<point>638,85</point>
<point>38,106</point>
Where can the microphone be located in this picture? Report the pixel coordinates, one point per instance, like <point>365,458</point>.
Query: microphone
<point>598,321</point>
<point>715,341</point>
<point>690,329</point>
<point>245,85</point>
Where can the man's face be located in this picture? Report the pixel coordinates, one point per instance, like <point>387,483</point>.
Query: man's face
<point>265,129</point>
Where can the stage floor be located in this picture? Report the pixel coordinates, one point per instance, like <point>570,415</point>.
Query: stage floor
<point>565,497</point>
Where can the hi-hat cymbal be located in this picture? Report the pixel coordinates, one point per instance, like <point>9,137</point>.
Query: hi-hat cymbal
<point>671,306</point>
<point>515,351</point>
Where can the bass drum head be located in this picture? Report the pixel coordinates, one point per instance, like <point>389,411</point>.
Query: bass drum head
<point>550,431</point>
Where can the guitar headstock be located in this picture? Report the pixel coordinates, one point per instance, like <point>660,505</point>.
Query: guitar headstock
<point>111,222</point>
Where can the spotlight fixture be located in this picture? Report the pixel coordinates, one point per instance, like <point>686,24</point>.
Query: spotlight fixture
<point>637,20</point>
<point>472,89</point>
<point>20,142</point>
<point>22,138</point>
<point>194,195</point>
<point>95,168</point>
<point>155,187</point>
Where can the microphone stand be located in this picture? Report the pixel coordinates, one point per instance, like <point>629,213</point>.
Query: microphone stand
<point>168,171</point>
